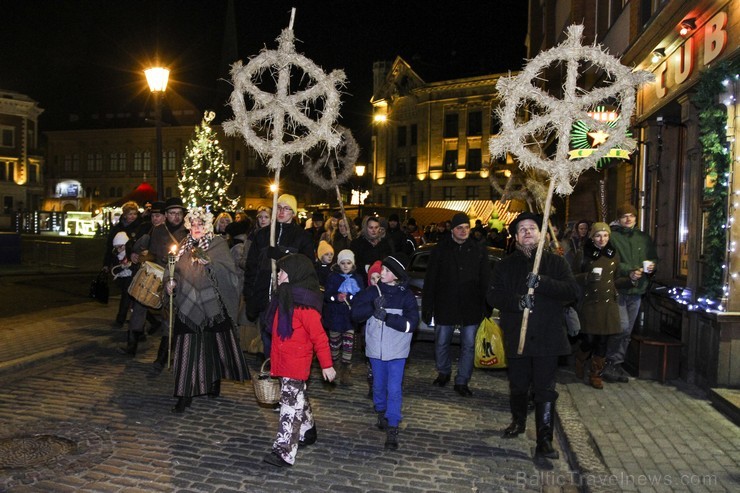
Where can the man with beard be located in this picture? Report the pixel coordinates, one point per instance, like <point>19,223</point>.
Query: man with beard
<point>554,287</point>
<point>289,238</point>
<point>167,231</point>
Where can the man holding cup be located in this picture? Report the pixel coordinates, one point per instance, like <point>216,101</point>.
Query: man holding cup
<point>638,256</point>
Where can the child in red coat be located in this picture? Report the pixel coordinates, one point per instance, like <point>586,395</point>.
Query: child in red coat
<point>295,316</point>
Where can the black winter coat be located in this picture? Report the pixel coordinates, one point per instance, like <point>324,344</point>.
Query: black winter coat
<point>455,283</point>
<point>546,335</point>
<point>366,254</point>
<point>258,269</point>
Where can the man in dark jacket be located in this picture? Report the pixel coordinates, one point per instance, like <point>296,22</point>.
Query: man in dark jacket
<point>289,238</point>
<point>454,295</point>
<point>546,338</point>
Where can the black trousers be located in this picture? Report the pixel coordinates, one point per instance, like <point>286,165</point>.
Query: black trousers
<point>537,372</point>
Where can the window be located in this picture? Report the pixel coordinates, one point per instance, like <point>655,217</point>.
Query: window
<point>495,124</point>
<point>450,126</point>
<point>7,135</point>
<point>138,161</point>
<point>147,160</point>
<point>401,136</point>
<point>142,161</point>
<point>7,171</point>
<point>475,123</point>
<point>450,162</point>
<point>474,160</point>
<point>95,161</point>
<point>414,132</point>
<point>471,193</point>
<point>33,173</point>
<point>112,192</point>
<point>412,165</point>
<point>168,160</point>
<point>118,161</point>
<point>448,193</point>
<point>8,204</point>
<point>401,166</point>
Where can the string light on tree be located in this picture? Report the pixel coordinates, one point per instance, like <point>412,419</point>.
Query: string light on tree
<point>205,177</point>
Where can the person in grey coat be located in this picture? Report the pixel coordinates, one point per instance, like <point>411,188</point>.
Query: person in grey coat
<point>546,339</point>
<point>455,296</point>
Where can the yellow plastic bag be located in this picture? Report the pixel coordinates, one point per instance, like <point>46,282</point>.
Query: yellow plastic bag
<point>489,345</point>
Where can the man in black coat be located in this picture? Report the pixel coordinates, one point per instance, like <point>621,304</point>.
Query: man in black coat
<point>289,238</point>
<point>546,339</point>
<point>454,294</point>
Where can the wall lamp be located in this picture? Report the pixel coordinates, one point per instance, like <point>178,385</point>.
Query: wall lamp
<point>687,25</point>
<point>658,55</point>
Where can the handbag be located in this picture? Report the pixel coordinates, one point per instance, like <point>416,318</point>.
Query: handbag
<point>489,345</point>
<point>99,290</point>
<point>266,388</point>
<point>146,286</point>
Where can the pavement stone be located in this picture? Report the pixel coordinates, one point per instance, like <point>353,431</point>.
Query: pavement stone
<point>60,375</point>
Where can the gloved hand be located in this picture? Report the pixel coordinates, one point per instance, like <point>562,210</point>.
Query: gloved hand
<point>526,301</point>
<point>533,280</point>
<point>379,302</point>
<point>380,314</point>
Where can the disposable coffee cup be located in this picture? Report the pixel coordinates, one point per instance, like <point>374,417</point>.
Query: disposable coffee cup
<point>597,273</point>
<point>647,266</point>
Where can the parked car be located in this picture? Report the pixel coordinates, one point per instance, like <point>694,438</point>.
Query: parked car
<point>417,270</point>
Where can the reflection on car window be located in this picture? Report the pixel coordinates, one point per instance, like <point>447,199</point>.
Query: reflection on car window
<point>419,263</point>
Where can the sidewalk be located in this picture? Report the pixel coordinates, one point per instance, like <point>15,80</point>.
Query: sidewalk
<point>62,378</point>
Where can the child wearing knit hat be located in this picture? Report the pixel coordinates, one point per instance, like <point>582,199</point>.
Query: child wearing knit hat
<point>342,285</point>
<point>324,261</point>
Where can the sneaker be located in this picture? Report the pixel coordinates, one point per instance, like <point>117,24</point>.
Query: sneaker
<point>612,374</point>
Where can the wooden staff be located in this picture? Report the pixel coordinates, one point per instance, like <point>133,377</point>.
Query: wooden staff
<point>171,267</point>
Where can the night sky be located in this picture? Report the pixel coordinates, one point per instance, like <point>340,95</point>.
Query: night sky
<point>84,56</point>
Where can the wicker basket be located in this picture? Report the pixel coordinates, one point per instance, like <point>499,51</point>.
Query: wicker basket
<point>266,388</point>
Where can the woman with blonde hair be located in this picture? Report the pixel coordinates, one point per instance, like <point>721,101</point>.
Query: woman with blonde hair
<point>220,224</point>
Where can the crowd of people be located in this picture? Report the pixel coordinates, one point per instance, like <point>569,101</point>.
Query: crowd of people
<point>333,288</point>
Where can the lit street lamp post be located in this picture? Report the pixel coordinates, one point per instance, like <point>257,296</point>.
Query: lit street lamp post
<point>157,78</point>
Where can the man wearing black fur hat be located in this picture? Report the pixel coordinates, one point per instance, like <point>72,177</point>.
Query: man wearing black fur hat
<point>454,295</point>
<point>554,287</point>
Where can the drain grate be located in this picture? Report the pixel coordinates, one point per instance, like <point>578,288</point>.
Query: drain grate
<point>34,450</point>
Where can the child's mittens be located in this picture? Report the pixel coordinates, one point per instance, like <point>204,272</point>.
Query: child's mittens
<point>380,314</point>
<point>342,297</point>
<point>379,302</point>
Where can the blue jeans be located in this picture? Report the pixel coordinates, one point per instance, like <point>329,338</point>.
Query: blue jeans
<point>442,343</point>
<point>629,308</point>
<point>387,388</point>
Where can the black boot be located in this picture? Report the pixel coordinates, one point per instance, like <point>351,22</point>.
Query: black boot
<point>391,438</point>
<point>518,404</point>
<point>161,360</point>
<point>215,389</point>
<point>544,416</point>
<point>382,421</point>
<point>132,342</point>
<point>309,438</point>
<point>182,403</point>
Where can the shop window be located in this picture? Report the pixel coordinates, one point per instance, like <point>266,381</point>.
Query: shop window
<point>7,136</point>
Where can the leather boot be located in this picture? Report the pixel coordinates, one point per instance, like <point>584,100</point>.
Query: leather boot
<point>518,404</point>
<point>580,359</point>
<point>161,360</point>
<point>132,342</point>
<point>597,366</point>
<point>391,438</point>
<point>544,416</point>
<point>382,420</point>
<point>345,375</point>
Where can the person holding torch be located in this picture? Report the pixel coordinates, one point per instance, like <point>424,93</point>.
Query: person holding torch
<point>206,302</point>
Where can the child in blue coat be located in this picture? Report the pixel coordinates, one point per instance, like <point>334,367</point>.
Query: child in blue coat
<point>342,284</point>
<point>392,316</point>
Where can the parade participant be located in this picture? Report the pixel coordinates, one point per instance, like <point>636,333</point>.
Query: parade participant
<point>289,238</point>
<point>598,265</point>
<point>391,315</point>
<point>546,339</point>
<point>128,223</point>
<point>454,295</point>
<point>121,271</point>
<point>317,229</point>
<point>294,316</point>
<point>262,220</point>
<point>342,284</point>
<point>167,231</point>
<point>206,302</point>
<point>401,241</point>
<point>370,245</point>
<point>638,257</point>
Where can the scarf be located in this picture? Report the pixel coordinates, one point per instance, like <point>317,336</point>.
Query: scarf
<point>197,248</point>
<point>527,251</point>
<point>283,302</point>
<point>349,285</point>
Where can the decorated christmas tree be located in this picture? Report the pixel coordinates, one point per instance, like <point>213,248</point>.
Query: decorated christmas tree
<point>205,177</point>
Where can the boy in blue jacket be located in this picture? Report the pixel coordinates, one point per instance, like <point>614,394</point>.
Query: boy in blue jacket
<point>392,316</point>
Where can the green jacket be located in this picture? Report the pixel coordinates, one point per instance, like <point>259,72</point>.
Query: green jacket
<point>633,247</point>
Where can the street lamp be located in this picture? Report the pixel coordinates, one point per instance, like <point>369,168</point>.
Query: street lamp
<point>157,78</point>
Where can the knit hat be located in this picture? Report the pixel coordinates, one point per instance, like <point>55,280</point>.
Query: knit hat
<point>411,221</point>
<point>121,238</point>
<point>597,227</point>
<point>375,268</point>
<point>626,208</point>
<point>397,263</point>
<point>288,200</point>
<point>521,217</point>
<point>458,219</point>
<point>323,249</point>
<point>346,255</point>
<point>317,216</point>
